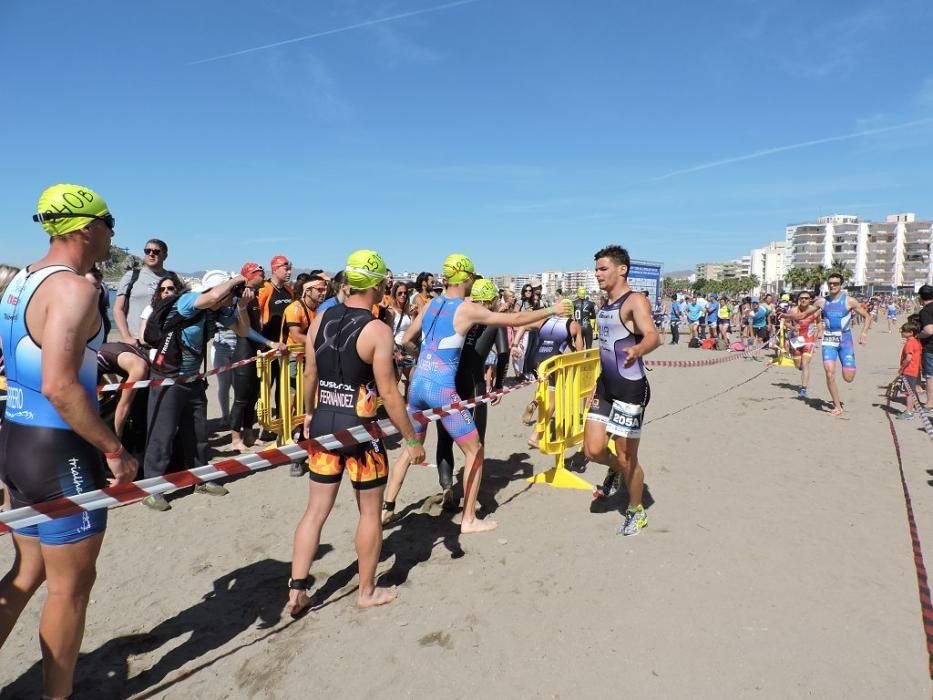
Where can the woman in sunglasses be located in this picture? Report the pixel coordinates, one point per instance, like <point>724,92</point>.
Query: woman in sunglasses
<point>164,289</point>
<point>399,317</point>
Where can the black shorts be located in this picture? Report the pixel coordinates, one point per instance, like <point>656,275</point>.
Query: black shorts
<point>762,334</point>
<point>42,464</point>
<point>622,411</point>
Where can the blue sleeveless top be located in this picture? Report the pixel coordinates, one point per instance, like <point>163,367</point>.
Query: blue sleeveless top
<point>25,403</point>
<point>441,345</point>
<point>837,314</point>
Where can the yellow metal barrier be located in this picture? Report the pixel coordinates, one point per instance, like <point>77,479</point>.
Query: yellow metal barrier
<point>290,389</point>
<point>781,359</point>
<point>562,412</point>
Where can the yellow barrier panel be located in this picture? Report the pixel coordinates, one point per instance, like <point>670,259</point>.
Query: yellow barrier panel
<point>562,412</point>
<point>781,359</point>
<point>290,390</point>
<point>264,406</point>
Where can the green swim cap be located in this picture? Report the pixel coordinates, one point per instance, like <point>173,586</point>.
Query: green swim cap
<point>365,269</point>
<point>484,290</point>
<point>70,199</point>
<point>458,268</point>
<point>581,292</point>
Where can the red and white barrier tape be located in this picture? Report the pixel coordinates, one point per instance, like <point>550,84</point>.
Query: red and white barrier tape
<point>123,494</point>
<point>923,588</point>
<point>750,352</point>
<point>168,381</point>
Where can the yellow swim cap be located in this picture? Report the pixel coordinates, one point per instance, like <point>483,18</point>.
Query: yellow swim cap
<point>458,268</point>
<point>365,269</point>
<point>69,199</point>
<point>484,290</point>
<point>581,292</point>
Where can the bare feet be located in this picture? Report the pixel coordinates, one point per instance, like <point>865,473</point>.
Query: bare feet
<point>468,527</point>
<point>835,412</point>
<point>298,602</point>
<point>378,596</point>
<point>239,446</point>
<point>388,517</point>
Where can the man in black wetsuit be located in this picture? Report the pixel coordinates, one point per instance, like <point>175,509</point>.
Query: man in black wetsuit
<point>584,311</point>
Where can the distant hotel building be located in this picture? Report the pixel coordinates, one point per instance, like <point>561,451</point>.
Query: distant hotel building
<point>883,256</point>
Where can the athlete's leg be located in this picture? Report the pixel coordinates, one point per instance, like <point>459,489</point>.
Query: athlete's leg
<point>368,547</point>
<point>805,369</point>
<point>321,499</point>
<point>396,479</point>
<point>20,582</point>
<point>634,475</point>
<point>445,458</point>
<point>596,444</point>
<point>830,368</point>
<point>70,570</point>
<point>472,475</point>
<point>847,358</point>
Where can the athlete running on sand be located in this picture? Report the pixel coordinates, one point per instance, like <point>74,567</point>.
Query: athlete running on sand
<point>838,348</point>
<point>626,334</point>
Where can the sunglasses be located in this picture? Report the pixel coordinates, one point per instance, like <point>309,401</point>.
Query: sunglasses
<point>55,215</point>
<point>153,251</point>
<point>166,289</point>
<point>320,290</point>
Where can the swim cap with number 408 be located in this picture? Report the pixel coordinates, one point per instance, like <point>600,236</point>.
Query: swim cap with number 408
<point>365,269</point>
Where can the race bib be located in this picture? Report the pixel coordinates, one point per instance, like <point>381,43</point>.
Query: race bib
<point>797,342</point>
<point>832,339</point>
<point>625,419</point>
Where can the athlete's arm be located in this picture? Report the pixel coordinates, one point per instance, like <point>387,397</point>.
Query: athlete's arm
<point>855,306</point>
<point>310,375</point>
<point>470,314</point>
<point>378,337</point>
<point>64,338</point>
<point>800,315</point>
<point>644,325</point>
<point>119,318</point>
<point>412,332</point>
<point>577,333</point>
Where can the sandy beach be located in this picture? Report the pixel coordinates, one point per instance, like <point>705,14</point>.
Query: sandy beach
<point>777,564</point>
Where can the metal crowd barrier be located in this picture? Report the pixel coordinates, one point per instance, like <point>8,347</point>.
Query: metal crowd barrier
<point>562,412</point>
<point>289,390</point>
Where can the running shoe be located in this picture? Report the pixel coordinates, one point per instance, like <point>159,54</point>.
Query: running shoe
<point>803,393</point>
<point>211,489</point>
<point>635,520</point>
<point>904,415</point>
<point>609,486</point>
<point>157,502</point>
<point>297,469</point>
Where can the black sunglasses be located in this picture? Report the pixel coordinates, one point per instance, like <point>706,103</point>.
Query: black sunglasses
<point>153,251</point>
<point>53,215</point>
<point>167,289</point>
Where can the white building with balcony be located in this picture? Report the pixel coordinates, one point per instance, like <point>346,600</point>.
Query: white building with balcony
<point>882,255</point>
<point>769,265</point>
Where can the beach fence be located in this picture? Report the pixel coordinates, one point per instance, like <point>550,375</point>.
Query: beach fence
<point>566,383</point>
<point>287,395</point>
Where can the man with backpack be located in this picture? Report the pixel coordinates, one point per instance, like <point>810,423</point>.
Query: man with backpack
<point>136,288</point>
<point>179,329</point>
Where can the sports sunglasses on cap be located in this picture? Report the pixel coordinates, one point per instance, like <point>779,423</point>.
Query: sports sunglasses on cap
<point>53,215</point>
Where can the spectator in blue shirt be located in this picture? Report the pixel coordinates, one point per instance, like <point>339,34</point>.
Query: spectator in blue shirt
<point>695,312</point>
<point>712,311</point>
<point>677,314</point>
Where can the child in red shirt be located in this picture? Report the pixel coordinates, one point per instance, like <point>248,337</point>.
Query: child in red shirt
<point>910,366</point>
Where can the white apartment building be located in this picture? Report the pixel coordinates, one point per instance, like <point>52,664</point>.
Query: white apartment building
<point>709,271</point>
<point>884,255</point>
<point>740,267</point>
<point>769,265</point>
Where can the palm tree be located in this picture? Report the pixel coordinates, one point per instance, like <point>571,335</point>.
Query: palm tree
<point>839,268</point>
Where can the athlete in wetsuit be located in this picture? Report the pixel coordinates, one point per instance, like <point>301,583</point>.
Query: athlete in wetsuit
<point>626,334</point>
<point>348,366</point>
<point>584,313</point>
<point>838,348</point>
<point>52,436</point>
<point>443,325</point>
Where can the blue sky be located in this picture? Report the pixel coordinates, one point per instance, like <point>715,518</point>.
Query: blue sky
<point>525,133</point>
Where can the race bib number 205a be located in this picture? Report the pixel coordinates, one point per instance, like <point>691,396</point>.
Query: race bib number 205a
<point>625,419</point>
